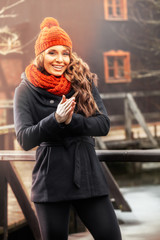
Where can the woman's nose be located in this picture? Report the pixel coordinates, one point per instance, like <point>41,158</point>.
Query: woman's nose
<point>59,58</point>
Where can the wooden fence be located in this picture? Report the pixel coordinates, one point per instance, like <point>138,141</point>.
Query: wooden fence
<point>8,174</point>
<point>132,112</point>
<point>7,132</point>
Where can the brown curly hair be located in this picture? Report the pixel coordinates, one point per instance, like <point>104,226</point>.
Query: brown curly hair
<point>81,78</point>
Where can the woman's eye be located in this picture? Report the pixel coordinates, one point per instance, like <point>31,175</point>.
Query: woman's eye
<point>51,53</point>
<point>54,53</point>
<point>66,53</point>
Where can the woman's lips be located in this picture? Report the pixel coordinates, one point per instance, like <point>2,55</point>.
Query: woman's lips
<point>58,67</point>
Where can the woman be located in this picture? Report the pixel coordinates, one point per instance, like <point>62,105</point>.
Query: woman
<point>58,108</point>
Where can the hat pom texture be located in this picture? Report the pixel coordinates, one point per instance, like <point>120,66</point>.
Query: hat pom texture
<point>49,22</point>
<point>51,35</point>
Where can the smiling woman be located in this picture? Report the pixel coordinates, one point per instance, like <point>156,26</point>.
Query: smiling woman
<point>58,109</point>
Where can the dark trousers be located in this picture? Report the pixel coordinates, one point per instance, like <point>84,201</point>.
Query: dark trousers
<point>97,214</point>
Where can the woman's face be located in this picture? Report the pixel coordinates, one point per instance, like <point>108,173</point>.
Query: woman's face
<point>56,60</point>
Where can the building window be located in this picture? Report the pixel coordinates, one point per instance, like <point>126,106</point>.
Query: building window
<point>115,9</point>
<point>117,66</point>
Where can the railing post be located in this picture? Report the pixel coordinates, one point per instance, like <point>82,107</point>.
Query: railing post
<point>140,119</point>
<point>1,142</point>
<point>3,201</point>
<point>20,192</point>
<point>114,190</point>
<point>128,119</point>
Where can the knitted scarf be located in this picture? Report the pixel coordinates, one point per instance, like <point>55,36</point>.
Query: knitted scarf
<point>55,85</point>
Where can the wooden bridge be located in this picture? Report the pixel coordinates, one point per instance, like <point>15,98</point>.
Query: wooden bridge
<point>9,175</point>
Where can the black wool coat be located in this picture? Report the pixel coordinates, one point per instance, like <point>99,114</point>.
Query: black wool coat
<point>66,167</point>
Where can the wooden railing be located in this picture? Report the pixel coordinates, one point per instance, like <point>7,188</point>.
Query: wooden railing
<point>7,132</point>
<point>123,96</point>
<point>8,174</point>
<point>132,112</point>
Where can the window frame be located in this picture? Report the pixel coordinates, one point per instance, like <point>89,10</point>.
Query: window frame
<point>116,55</point>
<point>114,16</point>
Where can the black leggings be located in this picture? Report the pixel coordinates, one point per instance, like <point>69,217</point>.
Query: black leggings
<point>96,213</point>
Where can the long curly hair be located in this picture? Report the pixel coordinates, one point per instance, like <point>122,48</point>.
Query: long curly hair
<point>81,78</point>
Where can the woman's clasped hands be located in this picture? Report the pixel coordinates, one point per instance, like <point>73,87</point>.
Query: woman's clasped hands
<point>65,110</point>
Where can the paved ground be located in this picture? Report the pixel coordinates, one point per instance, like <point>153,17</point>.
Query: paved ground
<point>144,221</point>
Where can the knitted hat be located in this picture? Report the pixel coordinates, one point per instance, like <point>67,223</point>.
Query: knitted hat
<point>51,34</point>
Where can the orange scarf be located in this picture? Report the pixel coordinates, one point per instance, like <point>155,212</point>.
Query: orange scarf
<point>58,86</point>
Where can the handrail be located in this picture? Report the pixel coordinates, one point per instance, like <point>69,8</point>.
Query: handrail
<point>151,155</point>
<point>8,103</point>
<point>134,94</point>
<point>7,129</point>
<point>10,175</point>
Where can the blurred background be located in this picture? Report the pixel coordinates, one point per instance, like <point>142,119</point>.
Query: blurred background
<point>120,41</point>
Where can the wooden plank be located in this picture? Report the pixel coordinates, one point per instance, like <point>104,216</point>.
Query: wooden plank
<point>7,129</point>
<point>114,190</point>
<point>4,84</point>
<point>124,144</point>
<point>128,119</point>
<point>6,103</point>
<point>101,144</point>
<point>147,155</point>
<point>140,119</point>
<point>148,116</point>
<point>2,137</point>
<point>3,201</point>
<point>17,155</point>
<point>129,155</point>
<point>20,192</point>
<point>134,94</point>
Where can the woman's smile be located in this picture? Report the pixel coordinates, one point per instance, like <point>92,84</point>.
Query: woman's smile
<point>58,67</point>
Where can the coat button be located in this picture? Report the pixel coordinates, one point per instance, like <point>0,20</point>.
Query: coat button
<point>51,101</point>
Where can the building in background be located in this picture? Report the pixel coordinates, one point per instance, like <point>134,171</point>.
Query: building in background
<point>119,39</point>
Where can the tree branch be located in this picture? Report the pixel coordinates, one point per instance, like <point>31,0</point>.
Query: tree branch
<point>8,16</point>
<point>10,6</point>
<point>9,42</point>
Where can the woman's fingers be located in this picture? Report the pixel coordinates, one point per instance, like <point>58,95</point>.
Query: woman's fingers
<point>68,101</point>
<point>70,111</point>
<point>63,98</point>
<point>69,106</point>
<point>64,108</point>
<point>70,115</point>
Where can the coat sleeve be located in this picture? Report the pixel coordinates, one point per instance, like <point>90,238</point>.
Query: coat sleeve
<point>29,134</point>
<point>97,125</point>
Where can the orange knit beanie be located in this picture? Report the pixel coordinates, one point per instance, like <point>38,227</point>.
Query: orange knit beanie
<point>51,34</point>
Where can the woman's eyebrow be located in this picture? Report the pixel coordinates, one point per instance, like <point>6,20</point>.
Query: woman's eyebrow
<point>65,50</point>
<point>51,50</point>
